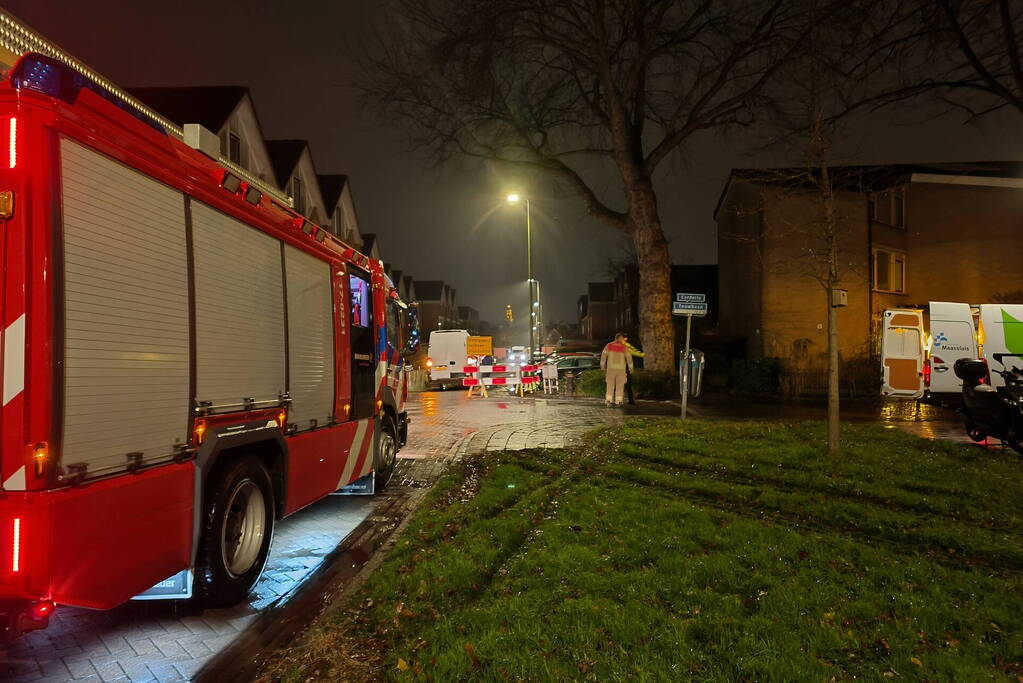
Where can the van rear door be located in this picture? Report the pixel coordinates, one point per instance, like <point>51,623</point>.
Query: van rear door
<point>1001,328</point>
<point>447,351</point>
<point>953,336</point>
<point>902,354</point>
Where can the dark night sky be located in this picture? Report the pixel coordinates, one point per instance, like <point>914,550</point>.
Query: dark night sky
<point>432,223</point>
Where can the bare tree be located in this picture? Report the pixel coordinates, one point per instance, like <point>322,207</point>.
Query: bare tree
<point>968,54</point>
<point>582,90</point>
<point>844,61</point>
<point>983,73</point>
<point>820,242</point>
<point>806,224</point>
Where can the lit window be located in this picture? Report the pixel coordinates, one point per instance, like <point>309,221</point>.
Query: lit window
<point>359,291</point>
<point>889,271</point>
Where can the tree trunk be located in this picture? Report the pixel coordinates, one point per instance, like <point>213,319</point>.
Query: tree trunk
<point>656,330</point>
<point>831,236</point>
<point>833,282</point>
<point>833,406</point>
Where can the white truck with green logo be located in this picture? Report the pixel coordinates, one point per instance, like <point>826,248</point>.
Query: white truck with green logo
<point>920,347</point>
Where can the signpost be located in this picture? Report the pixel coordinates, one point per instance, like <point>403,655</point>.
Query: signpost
<point>687,305</point>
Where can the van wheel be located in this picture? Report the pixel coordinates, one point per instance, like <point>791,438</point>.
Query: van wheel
<point>237,526</point>
<point>386,454</point>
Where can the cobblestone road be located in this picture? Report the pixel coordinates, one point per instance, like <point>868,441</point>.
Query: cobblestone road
<point>161,641</point>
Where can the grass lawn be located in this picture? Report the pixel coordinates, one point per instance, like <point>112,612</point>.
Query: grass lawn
<point>708,551</point>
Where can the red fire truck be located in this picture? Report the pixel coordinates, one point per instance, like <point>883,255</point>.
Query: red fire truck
<point>185,358</point>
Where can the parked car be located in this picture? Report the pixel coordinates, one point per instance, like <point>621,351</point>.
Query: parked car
<point>556,356</point>
<point>577,363</point>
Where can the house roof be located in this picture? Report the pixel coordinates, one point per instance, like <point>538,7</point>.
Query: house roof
<point>429,290</point>
<point>870,178</point>
<point>331,187</point>
<point>284,156</point>
<point>601,291</point>
<point>209,106</point>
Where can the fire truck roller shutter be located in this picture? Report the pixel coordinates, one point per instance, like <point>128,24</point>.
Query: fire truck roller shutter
<point>310,339</point>
<point>126,313</point>
<point>239,310</point>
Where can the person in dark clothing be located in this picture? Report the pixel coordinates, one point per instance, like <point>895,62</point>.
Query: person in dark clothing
<point>635,353</point>
<point>488,360</point>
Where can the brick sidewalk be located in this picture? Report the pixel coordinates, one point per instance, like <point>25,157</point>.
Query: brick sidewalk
<point>163,641</point>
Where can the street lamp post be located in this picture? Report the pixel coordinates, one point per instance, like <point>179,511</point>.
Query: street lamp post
<point>533,317</point>
<point>538,315</point>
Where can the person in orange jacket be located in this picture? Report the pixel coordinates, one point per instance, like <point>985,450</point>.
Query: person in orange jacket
<point>615,361</point>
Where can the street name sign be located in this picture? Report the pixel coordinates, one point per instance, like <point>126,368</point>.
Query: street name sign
<point>687,304</point>
<point>687,308</point>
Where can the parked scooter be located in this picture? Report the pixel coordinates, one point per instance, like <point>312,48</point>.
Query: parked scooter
<point>989,411</point>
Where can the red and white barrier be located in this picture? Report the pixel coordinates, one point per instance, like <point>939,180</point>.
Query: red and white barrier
<point>525,377</point>
<point>530,375</point>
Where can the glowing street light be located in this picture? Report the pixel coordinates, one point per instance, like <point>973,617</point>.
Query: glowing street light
<point>515,198</point>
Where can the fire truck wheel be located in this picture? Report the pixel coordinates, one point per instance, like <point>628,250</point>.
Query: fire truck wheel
<point>238,520</point>
<point>386,453</point>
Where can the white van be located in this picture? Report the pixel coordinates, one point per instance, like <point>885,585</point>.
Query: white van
<point>919,348</point>
<point>447,357</point>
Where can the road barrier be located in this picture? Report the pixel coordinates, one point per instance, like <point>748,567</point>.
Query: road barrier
<point>530,377</point>
<point>480,377</point>
<point>549,372</point>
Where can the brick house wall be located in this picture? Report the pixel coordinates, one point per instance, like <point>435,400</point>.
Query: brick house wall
<point>963,243</point>
<point>957,238</point>
<point>793,305</point>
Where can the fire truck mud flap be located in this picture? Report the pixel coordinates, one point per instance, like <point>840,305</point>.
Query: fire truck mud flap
<point>403,422</point>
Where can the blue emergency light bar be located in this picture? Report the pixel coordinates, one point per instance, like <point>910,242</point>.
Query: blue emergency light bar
<point>50,77</point>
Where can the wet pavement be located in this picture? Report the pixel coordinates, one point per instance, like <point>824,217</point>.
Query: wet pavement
<point>171,641</point>
<point>927,421</point>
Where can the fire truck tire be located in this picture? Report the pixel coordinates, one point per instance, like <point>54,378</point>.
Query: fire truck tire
<point>386,453</point>
<point>237,526</point>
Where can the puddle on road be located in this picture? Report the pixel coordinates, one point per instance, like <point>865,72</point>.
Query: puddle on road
<point>429,401</point>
